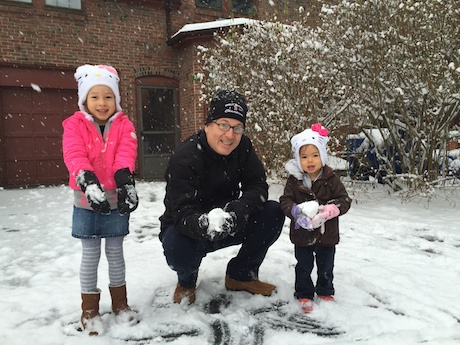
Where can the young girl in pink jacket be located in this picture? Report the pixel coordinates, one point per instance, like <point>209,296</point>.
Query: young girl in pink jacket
<point>100,148</point>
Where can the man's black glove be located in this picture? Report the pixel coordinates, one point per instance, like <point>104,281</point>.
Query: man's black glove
<point>127,195</point>
<point>89,184</point>
<point>239,211</point>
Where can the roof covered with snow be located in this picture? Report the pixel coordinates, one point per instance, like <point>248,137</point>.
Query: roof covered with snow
<point>206,28</point>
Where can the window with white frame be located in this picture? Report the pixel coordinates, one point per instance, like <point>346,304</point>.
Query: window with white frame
<point>215,4</point>
<point>236,6</point>
<point>242,6</point>
<point>71,4</point>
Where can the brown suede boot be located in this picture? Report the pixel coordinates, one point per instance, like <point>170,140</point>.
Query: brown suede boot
<point>180,293</point>
<point>90,312</point>
<point>119,299</point>
<point>253,286</point>
<point>120,305</point>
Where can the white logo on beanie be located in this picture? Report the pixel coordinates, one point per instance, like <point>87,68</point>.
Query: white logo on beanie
<point>228,103</point>
<point>88,76</point>
<point>316,135</point>
<point>234,108</point>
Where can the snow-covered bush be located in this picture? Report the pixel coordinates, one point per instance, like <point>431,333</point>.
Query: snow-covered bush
<point>274,66</point>
<point>391,66</point>
<point>398,66</point>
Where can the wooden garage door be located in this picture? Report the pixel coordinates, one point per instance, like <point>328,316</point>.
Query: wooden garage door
<point>31,133</point>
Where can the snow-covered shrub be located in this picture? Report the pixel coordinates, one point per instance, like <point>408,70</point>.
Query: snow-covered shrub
<point>398,64</point>
<point>273,65</point>
<point>391,66</point>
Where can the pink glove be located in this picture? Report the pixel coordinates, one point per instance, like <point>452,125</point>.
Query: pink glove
<point>330,211</point>
<point>326,212</point>
<point>317,221</point>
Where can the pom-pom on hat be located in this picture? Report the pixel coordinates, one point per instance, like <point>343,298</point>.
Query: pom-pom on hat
<point>227,103</point>
<point>316,135</point>
<point>88,76</point>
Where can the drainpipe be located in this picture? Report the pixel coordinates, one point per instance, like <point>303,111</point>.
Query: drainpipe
<point>168,19</point>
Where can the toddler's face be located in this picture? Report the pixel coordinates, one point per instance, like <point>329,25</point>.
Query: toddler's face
<point>310,160</point>
<point>101,103</point>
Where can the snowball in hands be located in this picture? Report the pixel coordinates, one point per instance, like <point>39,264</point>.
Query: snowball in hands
<point>217,220</point>
<point>89,184</point>
<point>217,217</point>
<point>309,208</point>
<point>95,193</point>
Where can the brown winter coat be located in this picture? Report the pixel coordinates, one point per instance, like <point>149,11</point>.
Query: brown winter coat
<point>327,189</point>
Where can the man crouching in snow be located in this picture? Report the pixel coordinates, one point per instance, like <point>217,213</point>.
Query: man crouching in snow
<point>216,197</point>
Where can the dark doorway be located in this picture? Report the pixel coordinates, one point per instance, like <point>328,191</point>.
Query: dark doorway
<point>158,117</point>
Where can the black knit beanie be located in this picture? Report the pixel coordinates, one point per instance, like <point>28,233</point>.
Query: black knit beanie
<point>227,103</point>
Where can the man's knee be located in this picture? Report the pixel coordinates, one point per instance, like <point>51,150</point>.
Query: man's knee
<point>269,222</point>
<point>180,251</point>
<point>273,211</point>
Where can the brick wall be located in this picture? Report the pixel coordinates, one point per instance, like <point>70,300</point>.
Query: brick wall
<point>44,45</point>
<point>131,35</point>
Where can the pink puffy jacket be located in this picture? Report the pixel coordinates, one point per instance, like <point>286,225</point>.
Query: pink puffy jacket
<point>84,148</point>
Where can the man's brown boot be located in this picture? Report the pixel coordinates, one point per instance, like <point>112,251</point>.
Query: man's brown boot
<point>90,319</point>
<point>180,293</point>
<point>253,286</point>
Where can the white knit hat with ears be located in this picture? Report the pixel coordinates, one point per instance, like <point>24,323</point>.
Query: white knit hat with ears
<point>316,135</point>
<point>88,76</point>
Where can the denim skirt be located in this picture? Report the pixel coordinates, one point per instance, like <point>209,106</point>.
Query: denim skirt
<point>89,224</point>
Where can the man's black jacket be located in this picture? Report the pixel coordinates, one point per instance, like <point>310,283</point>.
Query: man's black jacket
<point>199,179</point>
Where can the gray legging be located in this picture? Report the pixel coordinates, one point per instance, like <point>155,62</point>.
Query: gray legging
<point>91,254</point>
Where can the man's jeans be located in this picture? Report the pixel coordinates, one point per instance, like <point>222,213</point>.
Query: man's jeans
<point>184,254</point>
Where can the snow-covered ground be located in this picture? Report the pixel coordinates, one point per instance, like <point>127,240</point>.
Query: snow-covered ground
<point>397,278</point>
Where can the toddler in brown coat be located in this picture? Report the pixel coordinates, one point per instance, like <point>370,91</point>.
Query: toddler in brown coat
<point>313,198</point>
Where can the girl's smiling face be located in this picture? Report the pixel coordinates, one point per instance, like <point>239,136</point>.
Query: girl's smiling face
<point>100,103</point>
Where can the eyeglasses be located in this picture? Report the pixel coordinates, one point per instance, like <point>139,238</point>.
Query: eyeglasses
<point>226,127</point>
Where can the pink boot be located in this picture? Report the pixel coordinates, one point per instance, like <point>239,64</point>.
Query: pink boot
<point>306,304</point>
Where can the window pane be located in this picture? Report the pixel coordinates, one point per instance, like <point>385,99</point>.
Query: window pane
<point>158,109</point>
<point>159,143</point>
<point>26,1</point>
<point>158,117</point>
<point>209,3</point>
<point>242,6</point>
<point>73,4</point>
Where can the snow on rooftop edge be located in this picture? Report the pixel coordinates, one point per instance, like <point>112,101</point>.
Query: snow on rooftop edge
<point>214,24</point>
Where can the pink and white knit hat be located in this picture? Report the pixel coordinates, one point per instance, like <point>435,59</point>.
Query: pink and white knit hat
<point>88,76</point>
<point>316,135</point>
